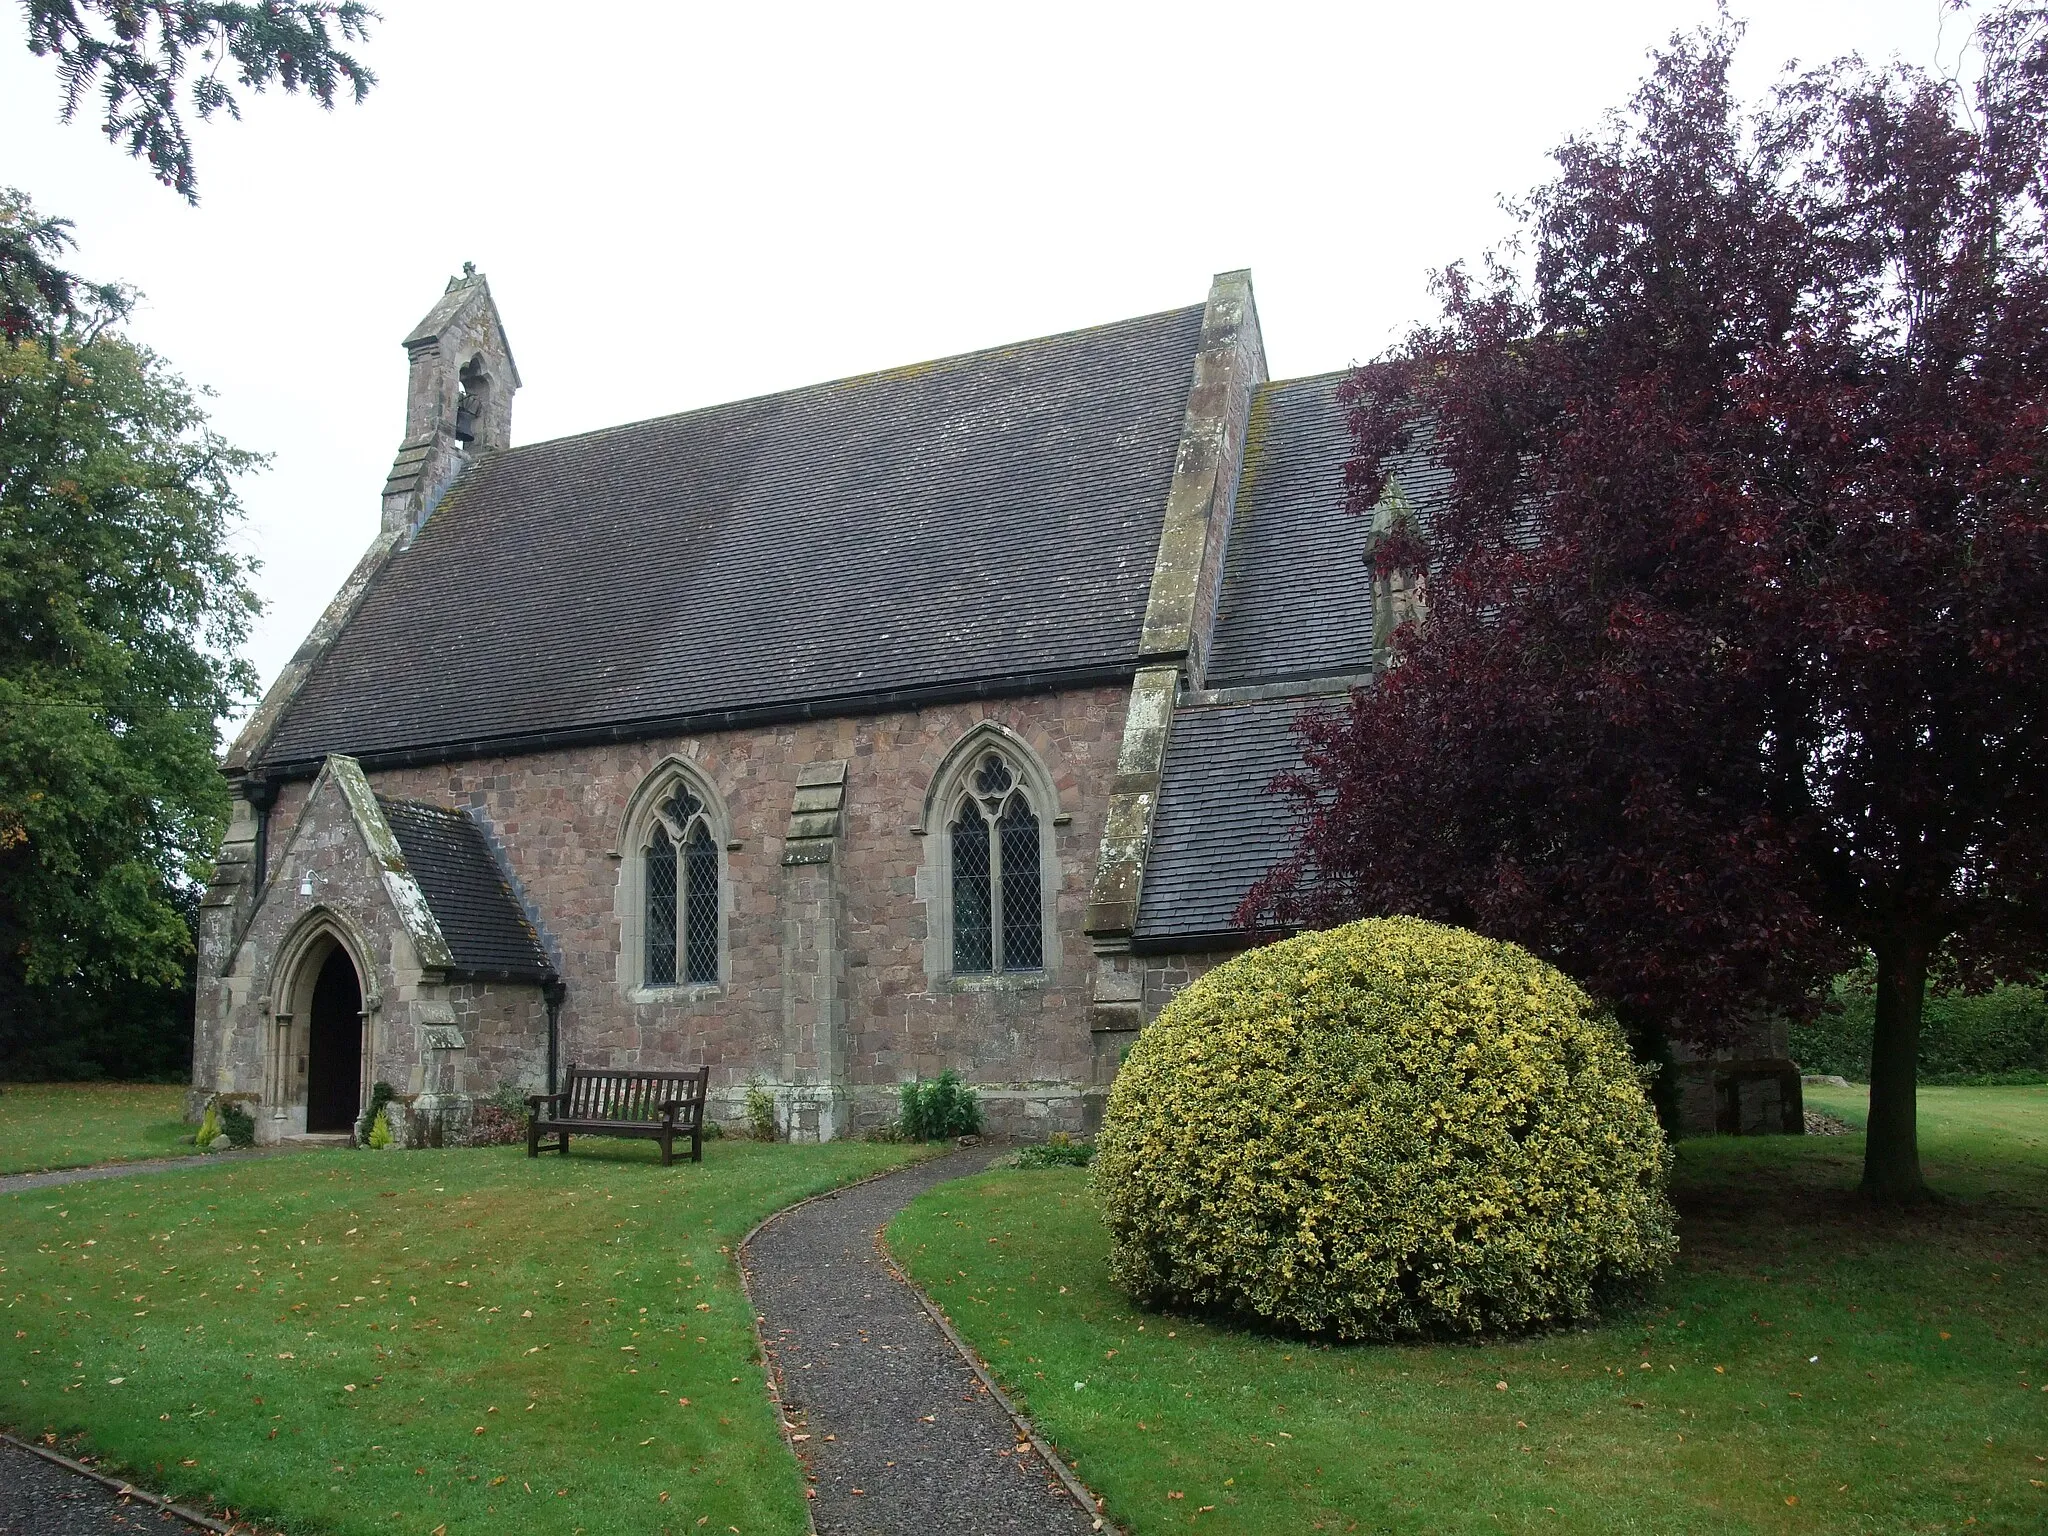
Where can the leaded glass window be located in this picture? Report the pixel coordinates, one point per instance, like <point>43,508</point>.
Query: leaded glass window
<point>700,909</point>
<point>973,896</point>
<point>1017,845</point>
<point>998,908</point>
<point>661,908</point>
<point>682,894</point>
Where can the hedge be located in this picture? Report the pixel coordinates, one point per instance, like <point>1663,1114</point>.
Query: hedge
<point>1385,1130</point>
<point>1997,1036</point>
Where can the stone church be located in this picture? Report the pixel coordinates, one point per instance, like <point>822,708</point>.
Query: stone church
<point>830,739</point>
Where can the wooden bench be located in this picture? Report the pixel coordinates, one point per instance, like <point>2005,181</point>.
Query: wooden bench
<point>658,1106</point>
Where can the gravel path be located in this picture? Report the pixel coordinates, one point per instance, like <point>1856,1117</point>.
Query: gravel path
<point>14,1183</point>
<point>902,1437</point>
<point>40,1498</point>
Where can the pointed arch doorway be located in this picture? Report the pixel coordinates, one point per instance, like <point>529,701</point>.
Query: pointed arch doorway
<point>334,1046</point>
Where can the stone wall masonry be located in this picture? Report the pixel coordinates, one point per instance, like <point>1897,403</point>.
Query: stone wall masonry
<point>1129,991</point>
<point>559,818</point>
<point>424,1035</point>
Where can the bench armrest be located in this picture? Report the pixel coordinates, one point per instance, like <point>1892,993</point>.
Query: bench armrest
<point>670,1106</point>
<point>535,1100</point>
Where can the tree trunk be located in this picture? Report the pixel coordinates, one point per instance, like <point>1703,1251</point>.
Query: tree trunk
<point>1891,1152</point>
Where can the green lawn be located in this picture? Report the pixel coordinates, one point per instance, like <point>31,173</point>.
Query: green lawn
<point>396,1341</point>
<point>1810,1367</point>
<point>1976,1133</point>
<point>67,1125</point>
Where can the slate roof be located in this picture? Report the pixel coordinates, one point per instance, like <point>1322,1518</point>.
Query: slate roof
<point>958,526</point>
<point>1297,598</point>
<point>467,891</point>
<point>1296,607</point>
<point>1216,829</point>
<point>1297,594</point>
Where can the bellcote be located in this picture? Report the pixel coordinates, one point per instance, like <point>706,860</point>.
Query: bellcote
<point>458,401</point>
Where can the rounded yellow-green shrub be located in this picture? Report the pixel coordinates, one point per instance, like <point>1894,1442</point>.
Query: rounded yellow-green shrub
<point>1386,1130</point>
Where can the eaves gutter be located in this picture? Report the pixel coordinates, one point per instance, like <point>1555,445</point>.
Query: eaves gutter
<point>525,974</point>
<point>880,701</point>
<point>1207,941</point>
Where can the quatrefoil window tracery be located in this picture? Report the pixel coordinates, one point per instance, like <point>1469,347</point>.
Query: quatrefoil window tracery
<point>997,902</point>
<point>682,894</point>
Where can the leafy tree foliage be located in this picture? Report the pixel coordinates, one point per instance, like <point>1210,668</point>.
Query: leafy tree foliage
<point>1734,662</point>
<point>134,1028</point>
<point>122,601</point>
<point>138,56</point>
<point>36,294</point>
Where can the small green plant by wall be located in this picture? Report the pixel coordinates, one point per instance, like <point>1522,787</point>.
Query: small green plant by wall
<point>760,1111</point>
<point>381,1094</point>
<point>1059,1150</point>
<point>237,1124</point>
<point>941,1107</point>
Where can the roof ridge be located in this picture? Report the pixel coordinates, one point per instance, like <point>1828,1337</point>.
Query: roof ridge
<point>850,378</point>
<point>1307,378</point>
<point>408,803</point>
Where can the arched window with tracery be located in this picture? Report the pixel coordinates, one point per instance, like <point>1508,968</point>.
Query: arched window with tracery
<point>997,863</point>
<point>682,894</point>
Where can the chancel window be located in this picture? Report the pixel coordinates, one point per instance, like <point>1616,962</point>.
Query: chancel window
<point>682,894</point>
<point>998,900</point>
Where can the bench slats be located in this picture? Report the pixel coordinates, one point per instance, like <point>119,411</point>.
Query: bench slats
<point>661,1105</point>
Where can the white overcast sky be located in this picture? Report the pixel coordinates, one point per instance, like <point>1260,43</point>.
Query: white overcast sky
<point>681,203</point>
